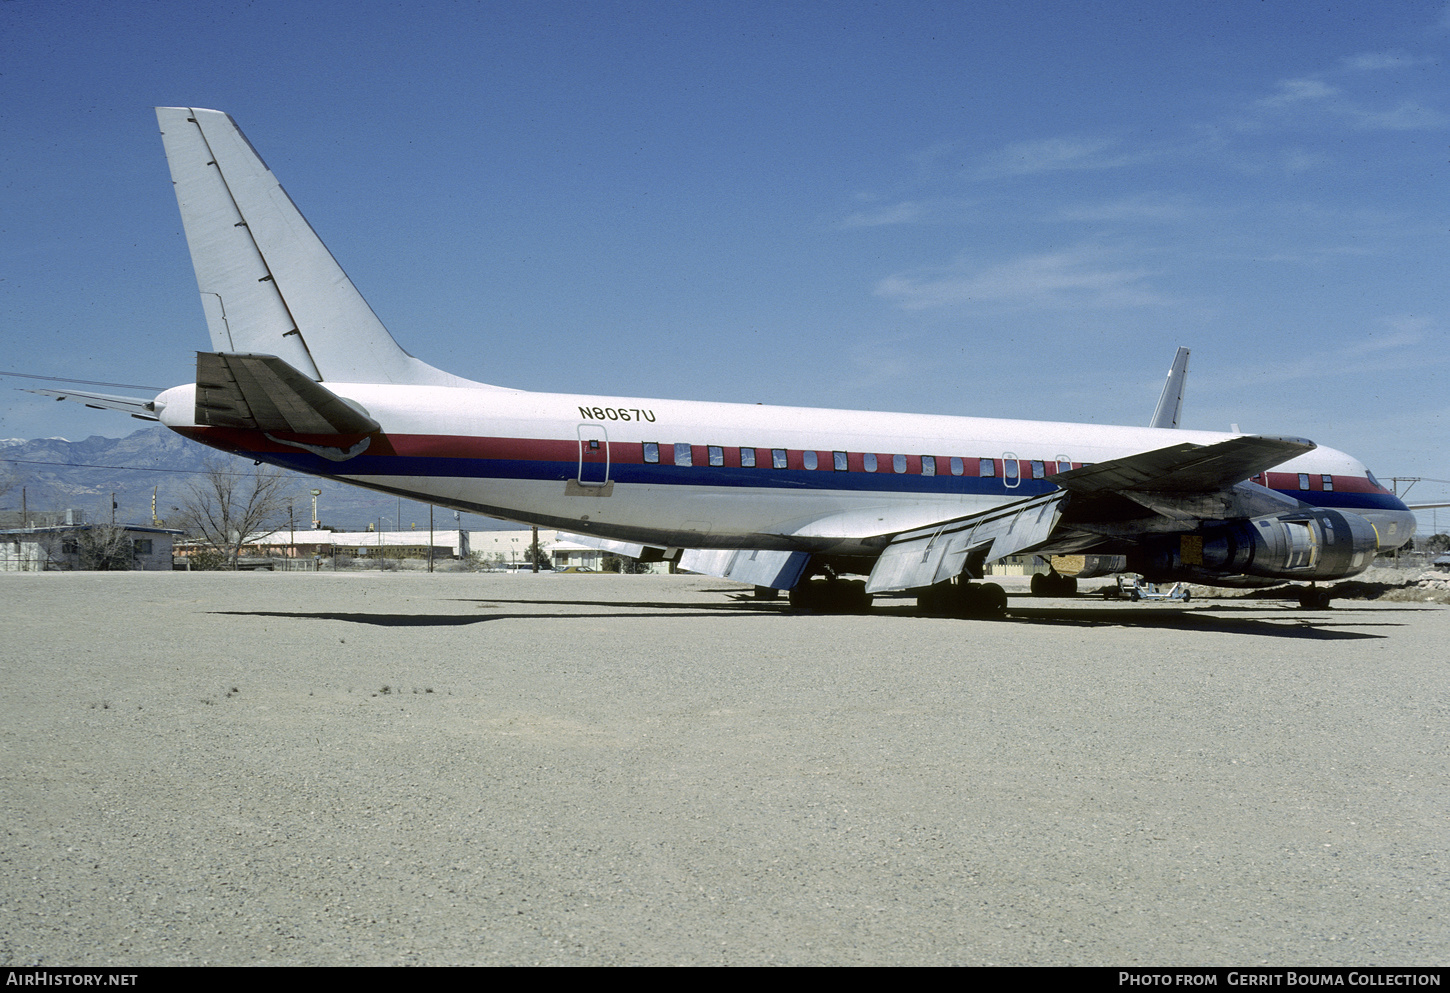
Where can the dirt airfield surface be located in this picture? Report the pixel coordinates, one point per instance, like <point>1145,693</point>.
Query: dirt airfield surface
<point>475,769</point>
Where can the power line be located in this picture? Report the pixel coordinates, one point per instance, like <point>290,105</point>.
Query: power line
<point>83,382</point>
<point>131,468</point>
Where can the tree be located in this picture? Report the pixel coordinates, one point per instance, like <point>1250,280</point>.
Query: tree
<point>105,548</point>
<point>226,506</point>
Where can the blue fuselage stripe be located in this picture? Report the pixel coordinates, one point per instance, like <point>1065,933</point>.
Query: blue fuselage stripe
<point>725,477</point>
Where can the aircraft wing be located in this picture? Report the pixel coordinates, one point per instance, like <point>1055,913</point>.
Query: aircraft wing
<point>262,392</point>
<point>929,555</point>
<point>144,409</point>
<point>1186,467</point>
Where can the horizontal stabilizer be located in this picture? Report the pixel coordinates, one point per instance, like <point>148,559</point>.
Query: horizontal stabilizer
<point>1186,467</point>
<point>261,392</point>
<point>146,410</point>
<point>935,554</point>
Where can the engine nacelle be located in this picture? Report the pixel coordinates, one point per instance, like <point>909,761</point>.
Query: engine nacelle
<point>1310,544</point>
<point>1088,566</point>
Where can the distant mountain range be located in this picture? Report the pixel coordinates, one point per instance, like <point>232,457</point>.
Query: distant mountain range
<point>55,474</point>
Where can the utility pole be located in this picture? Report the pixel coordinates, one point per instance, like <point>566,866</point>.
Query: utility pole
<point>536,548</point>
<point>430,537</point>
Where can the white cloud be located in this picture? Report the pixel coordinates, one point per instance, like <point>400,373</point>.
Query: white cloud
<point>1408,116</point>
<point>1372,61</point>
<point>1311,95</point>
<point>1292,91</point>
<point>1078,277</point>
<point>1145,207</point>
<point>1029,158</point>
<point>906,212</point>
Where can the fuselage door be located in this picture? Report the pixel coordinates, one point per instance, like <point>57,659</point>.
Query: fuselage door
<point>593,455</point>
<point>1011,470</point>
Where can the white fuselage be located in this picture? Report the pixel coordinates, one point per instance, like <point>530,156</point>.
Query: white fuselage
<point>672,472</point>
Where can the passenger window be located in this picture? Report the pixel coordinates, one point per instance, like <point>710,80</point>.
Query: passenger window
<point>898,463</point>
<point>777,458</point>
<point>717,455</point>
<point>957,467</point>
<point>868,462</point>
<point>808,458</point>
<point>747,458</point>
<point>1011,469</point>
<point>1039,471</point>
<point>928,465</point>
<point>839,459</point>
<point>682,454</point>
<point>1328,482</point>
<point>652,452</point>
<point>1303,480</point>
<point>986,467</point>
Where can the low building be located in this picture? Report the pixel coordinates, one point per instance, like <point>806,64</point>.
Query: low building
<point>309,544</point>
<point>78,547</point>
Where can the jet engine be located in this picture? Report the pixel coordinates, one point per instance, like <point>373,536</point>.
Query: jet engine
<point>1308,544</point>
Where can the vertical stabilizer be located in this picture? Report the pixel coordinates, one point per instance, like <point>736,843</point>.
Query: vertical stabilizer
<point>268,284</point>
<point>1170,403</point>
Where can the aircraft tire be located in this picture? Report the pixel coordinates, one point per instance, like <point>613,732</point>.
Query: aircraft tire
<point>992,599</point>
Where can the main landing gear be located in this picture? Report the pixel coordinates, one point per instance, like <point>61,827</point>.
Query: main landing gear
<point>831,596</point>
<point>1314,598</point>
<point>1054,584</point>
<point>953,599</point>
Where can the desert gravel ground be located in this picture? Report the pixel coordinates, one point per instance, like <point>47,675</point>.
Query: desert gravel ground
<point>459,769</point>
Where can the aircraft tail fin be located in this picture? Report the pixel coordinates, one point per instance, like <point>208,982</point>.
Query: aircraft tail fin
<point>1170,402</point>
<point>268,284</point>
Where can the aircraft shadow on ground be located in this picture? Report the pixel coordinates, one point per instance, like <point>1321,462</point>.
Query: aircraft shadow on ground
<point>449,620</point>
<point>1325,626</point>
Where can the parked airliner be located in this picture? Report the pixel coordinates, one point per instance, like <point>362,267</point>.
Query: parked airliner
<point>303,375</point>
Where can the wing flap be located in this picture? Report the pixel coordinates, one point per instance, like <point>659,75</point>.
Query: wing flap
<point>758,567</point>
<point>932,555</point>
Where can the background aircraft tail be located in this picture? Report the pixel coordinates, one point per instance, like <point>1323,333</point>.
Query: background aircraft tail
<point>1170,401</point>
<point>268,284</point>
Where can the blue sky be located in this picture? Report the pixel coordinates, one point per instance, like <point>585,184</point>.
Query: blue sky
<point>997,209</point>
